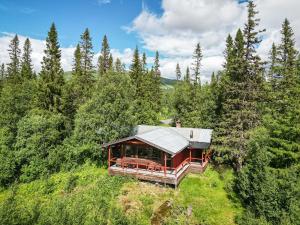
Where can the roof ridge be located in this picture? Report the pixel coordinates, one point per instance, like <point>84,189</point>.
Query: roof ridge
<point>174,131</point>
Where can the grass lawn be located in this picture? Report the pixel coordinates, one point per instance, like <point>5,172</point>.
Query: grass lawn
<point>199,199</point>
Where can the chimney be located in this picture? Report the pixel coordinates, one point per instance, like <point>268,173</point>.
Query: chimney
<point>178,124</point>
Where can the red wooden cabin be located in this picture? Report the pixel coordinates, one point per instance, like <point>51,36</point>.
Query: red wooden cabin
<point>160,154</point>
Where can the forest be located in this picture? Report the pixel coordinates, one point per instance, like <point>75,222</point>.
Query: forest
<point>53,122</point>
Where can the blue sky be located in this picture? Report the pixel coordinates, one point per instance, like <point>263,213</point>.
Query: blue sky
<point>33,17</point>
<point>172,27</point>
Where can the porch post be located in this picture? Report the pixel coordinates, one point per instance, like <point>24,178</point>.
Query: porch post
<point>165,159</point>
<point>108,156</point>
<point>190,154</point>
<point>122,156</point>
<point>202,157</point>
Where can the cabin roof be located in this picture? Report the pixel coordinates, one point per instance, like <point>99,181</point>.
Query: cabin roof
<point>170,139</point>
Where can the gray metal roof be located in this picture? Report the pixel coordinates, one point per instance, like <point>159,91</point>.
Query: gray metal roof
<point>165,139</point>
<point>170,139</point>
<point>191,134</point>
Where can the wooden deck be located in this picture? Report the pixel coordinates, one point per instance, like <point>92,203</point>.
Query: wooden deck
<point>170,176</point>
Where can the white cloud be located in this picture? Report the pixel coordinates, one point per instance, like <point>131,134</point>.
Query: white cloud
<point>38,47</point>
<point>103,2</point>
<point>184,23</point>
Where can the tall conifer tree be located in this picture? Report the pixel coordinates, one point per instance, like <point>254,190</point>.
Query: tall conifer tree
<point>26,64</point>
<point>104,63</point>
<point>178,72</point>
<point>287,51</point>
<point>119,67</point>
<point>2,72</point>
<point>156,65</point>
<point>13,67</point>
<point>52,80</point>
<point>187,76</point>
<point>87,54</point>
<point>197,63</point>
<point>144,62</point>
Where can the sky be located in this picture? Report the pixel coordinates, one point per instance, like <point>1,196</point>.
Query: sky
<point>172,27</point>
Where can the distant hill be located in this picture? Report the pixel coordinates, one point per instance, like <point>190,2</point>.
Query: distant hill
<point>166,83</point>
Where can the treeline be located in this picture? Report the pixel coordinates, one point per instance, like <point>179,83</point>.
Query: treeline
<point>49,123</point>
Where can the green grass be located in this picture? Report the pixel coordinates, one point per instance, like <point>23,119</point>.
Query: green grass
<point>206,195</point>
<point>95,194</point>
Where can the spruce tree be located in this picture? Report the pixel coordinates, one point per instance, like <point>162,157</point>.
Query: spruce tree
<point>144,62</point>
<point>178,72</point>
<point>228,54</point>
<point>156,91</point>
<point>287,51</point>
<point>273,61</point>
<point>13,67</point>
<point>26,64</point>
<point>2,72</point>
<point>52,80</point>
<point>104,63</point>
<point>156,65</point>
<point>136,68</point>
<point>242,93</point>
<point>87,54</point>
<point>119,67</point>
<point>77,65</point>
<point>252,38</point>
<point>187,76</point>
<point>2,76</point>
<point>110,62</point>
<point>283,119</point>
<point>197,64</point>
<point>231,132</point>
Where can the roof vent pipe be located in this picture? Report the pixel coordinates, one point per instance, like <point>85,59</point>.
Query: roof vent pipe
<point>191,134</point>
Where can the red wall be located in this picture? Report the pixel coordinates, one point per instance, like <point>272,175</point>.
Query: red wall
<point>180,157</point>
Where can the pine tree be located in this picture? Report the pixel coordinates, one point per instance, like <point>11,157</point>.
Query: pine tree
<point>104,58</point>
<point>144,62</point>
<point>13,67</point>
<point>252,38</point>
<point>197,64</point>
<point>273,58</point>
<point>287,51</point>
<point>87,54</point>
<point>228,54</point>
<point>156,91</point>
<point>178,72</point>
<point>242,92</point>
<point>156,65</point>
<point>77,66</point>
<point>2,76</point>
<point>187,76</point>
<point>110,62</point>
<point>2,72</point>
<point>283,117</point>
<point>119,67</point>
<point>52,80</point>
<point>26,65</point>
<point>136,68</point>
<point>236,116</point>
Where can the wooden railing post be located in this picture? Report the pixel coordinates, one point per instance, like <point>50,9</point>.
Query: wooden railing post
<point>190,155</point>
<point>109,156</point>
<point>165,159</point>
